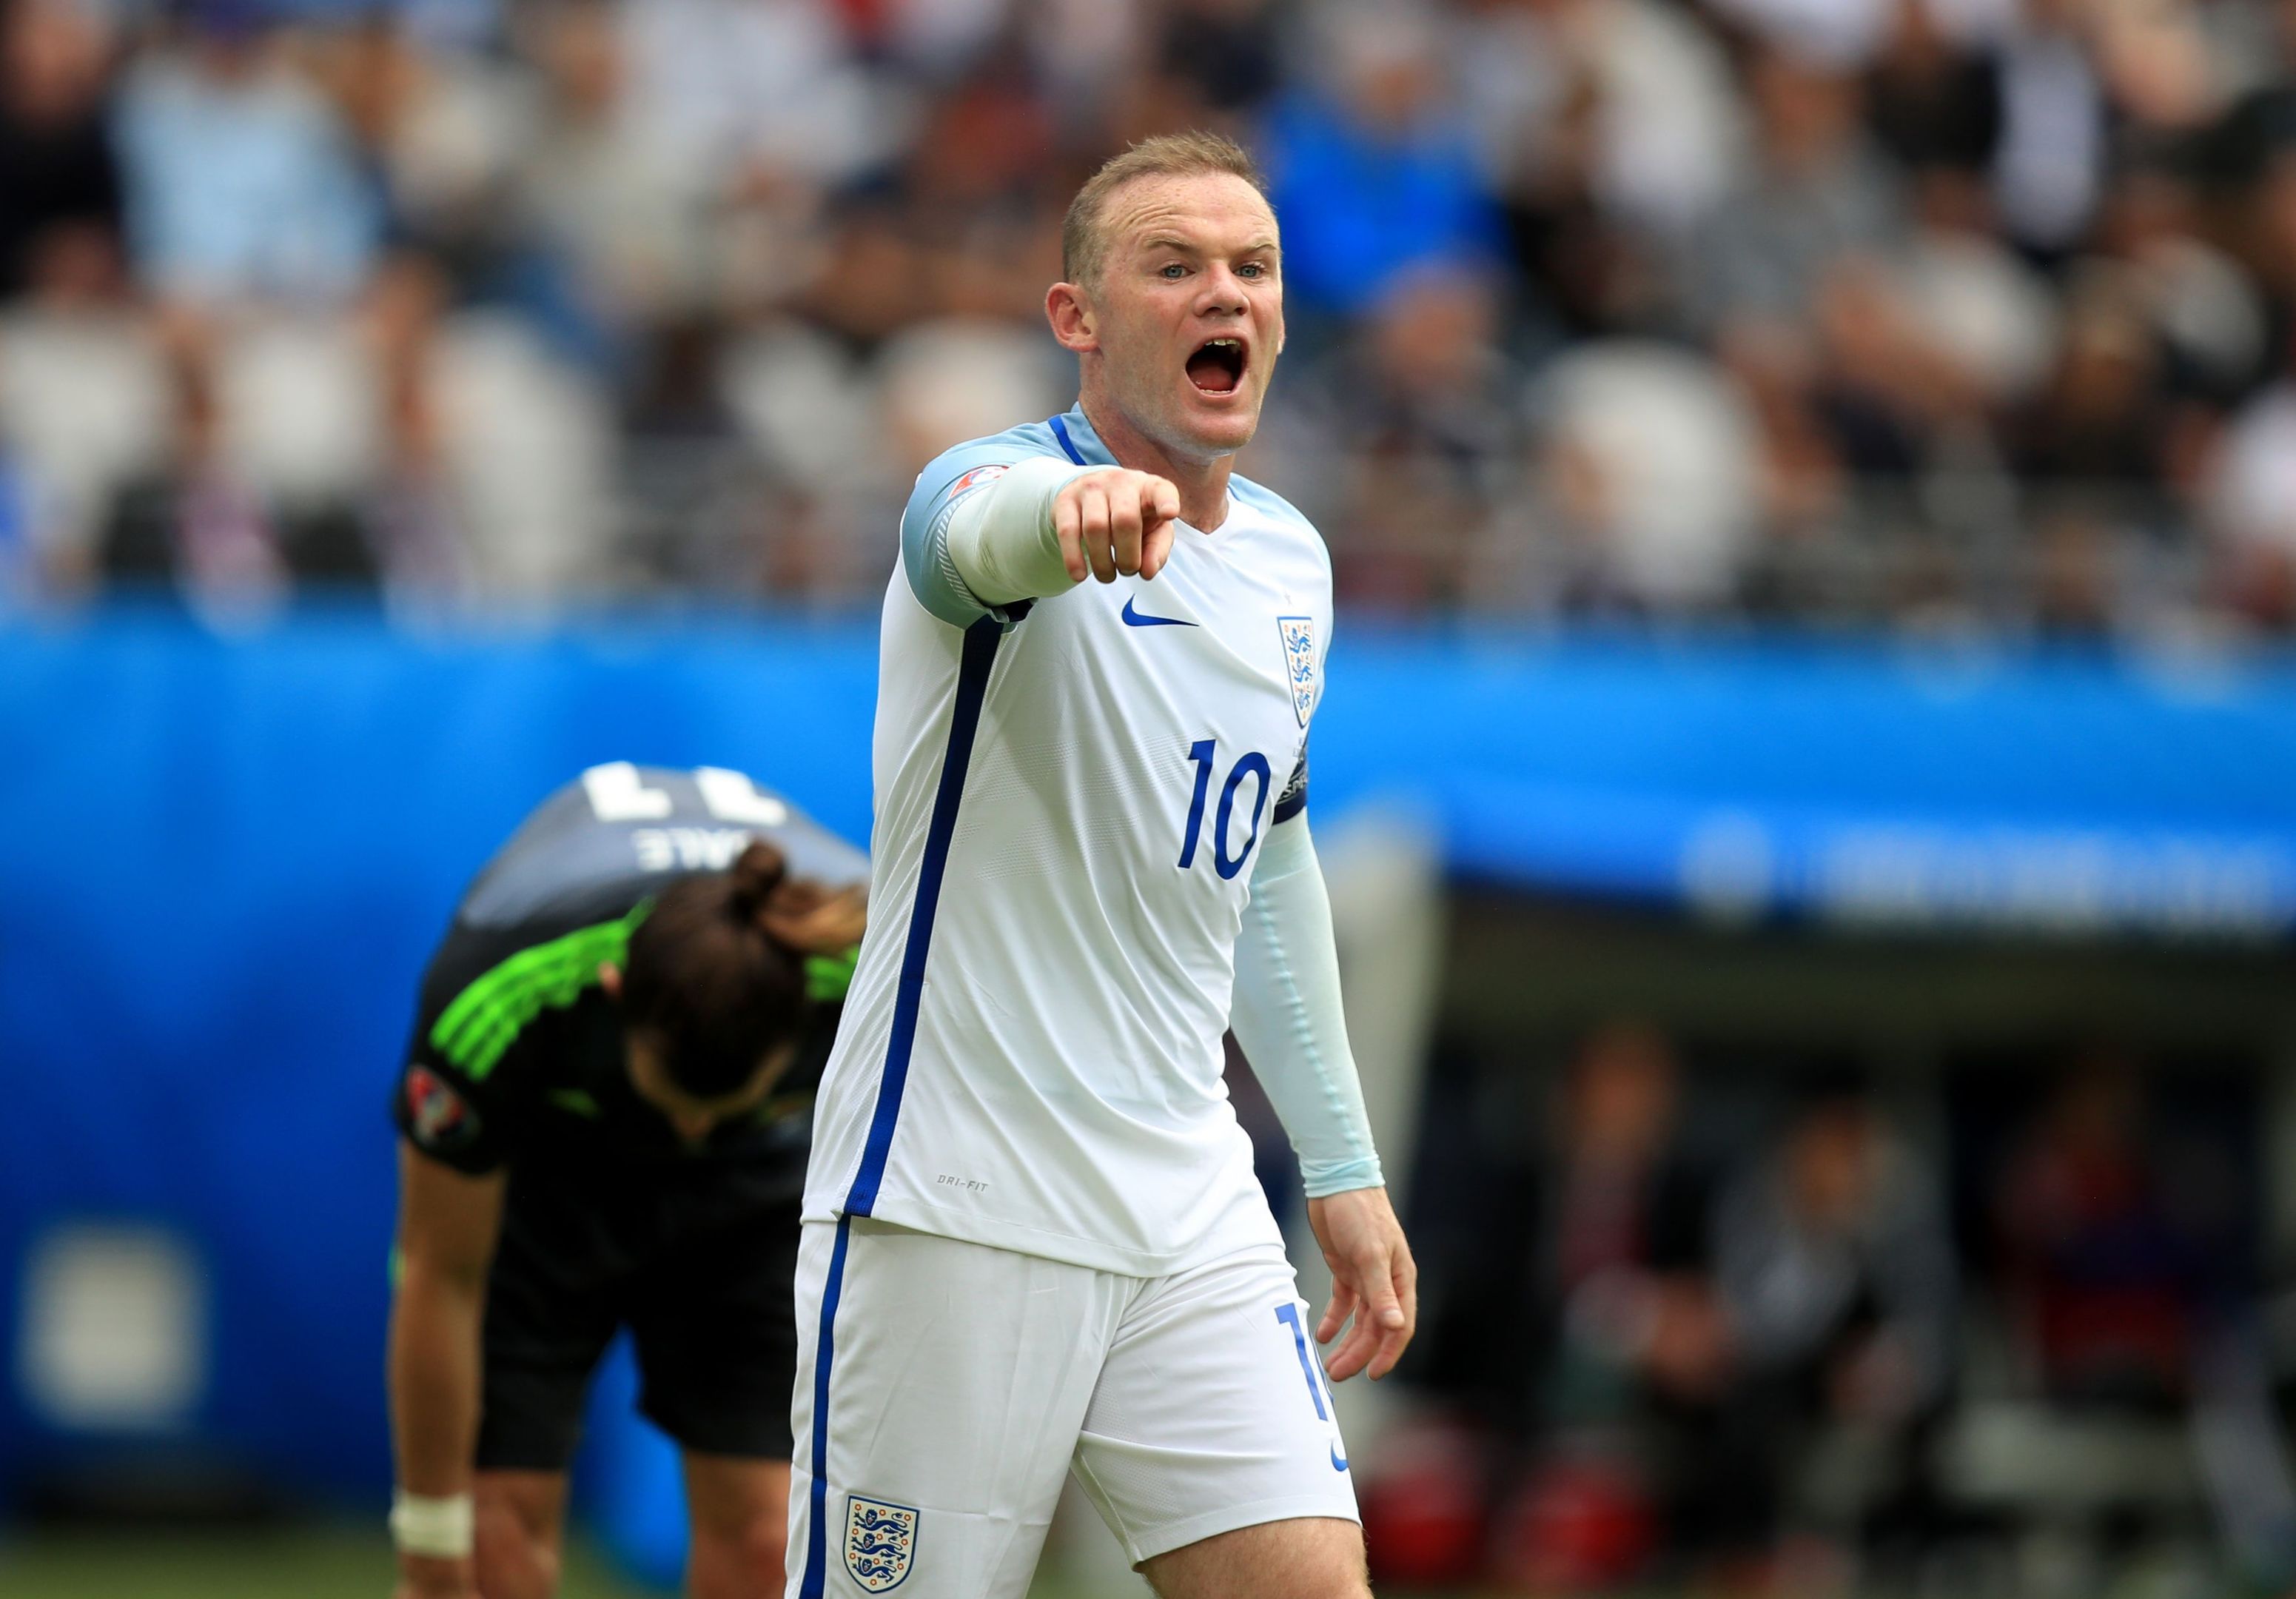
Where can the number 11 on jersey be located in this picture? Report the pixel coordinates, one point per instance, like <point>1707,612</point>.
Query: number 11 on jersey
<point>1203,754</point>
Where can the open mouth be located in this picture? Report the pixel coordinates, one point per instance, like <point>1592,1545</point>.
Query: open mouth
<point>1217,366</point>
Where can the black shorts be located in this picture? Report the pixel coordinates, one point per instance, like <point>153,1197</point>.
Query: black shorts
<point>707,1296</point>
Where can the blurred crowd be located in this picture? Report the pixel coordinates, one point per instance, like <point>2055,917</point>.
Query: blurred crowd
<point>1909,312</point>
<point>2005,1337</point>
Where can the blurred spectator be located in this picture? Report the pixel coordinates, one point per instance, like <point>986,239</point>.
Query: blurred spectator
<point>83,394</point>
<point>2103,417</point>
<point>1587,1330</point>
<point>984,238</point>
<point>1819,191</point>
<point>1403,439</point>
<point>2125,1271</point>
<point>438,133</point>
<point>1228,51</point>
<point>2259,117</point>
<point>1933,103</point>
<point>844,438</point>
<point>1615,1220</point>
<point>242,181</point>
<point>252,219</point>
<point>60,184</point>
<point>1980,308</point>
<point>1838,1279</point>
<point>2253,500</point>
<point>1622,107</point>
<point>2205,313</point>
<point>2116,1246</point>
<point>85,412</point>
<point>2049,166</point>
<point>2250,478</point>
<point>753,94</point>
<point>945,382</point>
<point>1887,393</point>
<point>1649,462</point>
<point>526,461</point>
<point>1629,1351</point>
<point>606,232</point>
<point>1833,35</point>
<point>1371,168</point>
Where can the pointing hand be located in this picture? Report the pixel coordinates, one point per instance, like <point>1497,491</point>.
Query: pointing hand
<point>1114,520</point>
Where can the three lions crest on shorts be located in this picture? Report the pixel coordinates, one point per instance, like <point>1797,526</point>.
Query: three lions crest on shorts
<point>881,1540</point>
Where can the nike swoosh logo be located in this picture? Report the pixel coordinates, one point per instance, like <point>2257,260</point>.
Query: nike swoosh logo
<point>1132,619</point>
<point>1339,1461</point>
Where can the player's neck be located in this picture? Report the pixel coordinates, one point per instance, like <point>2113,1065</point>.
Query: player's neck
<point>1202,484</point>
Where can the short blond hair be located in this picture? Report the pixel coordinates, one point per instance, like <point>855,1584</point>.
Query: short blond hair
<point>1084,240</point>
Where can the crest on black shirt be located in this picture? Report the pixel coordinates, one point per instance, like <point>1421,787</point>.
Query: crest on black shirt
<point>439,1117</point>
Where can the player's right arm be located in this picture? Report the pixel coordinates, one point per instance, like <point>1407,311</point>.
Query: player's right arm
<point>982,535</point>
<point>448,1221</point>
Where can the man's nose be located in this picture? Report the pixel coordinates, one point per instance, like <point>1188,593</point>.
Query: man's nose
<point>1223,291</point>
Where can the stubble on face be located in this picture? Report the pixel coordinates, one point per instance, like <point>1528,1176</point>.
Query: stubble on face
<point>1148,326</point>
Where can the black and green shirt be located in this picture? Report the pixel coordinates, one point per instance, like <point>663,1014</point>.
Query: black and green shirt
<point>518,1054</point>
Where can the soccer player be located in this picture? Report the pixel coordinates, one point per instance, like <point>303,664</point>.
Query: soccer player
<point>1033,1241</point>
<point>604,1118</point>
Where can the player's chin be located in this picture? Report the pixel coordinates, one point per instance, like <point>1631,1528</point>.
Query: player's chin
<point>1220,424</point>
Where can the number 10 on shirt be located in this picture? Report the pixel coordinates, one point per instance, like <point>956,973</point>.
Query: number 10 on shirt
<point>1204,754</point>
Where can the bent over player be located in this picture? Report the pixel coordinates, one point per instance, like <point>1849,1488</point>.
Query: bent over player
<point>604,1120</point>
<point>1033,1241</point>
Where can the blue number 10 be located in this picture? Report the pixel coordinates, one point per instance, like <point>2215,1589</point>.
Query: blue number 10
<point>1254,764</point>
<point>1289,1314</point>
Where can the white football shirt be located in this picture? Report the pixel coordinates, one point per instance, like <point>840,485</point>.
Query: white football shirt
<point>1068,806</point>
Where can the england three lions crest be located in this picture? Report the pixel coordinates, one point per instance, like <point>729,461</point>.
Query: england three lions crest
<point>1300,661</point>
<point>881,1541</point>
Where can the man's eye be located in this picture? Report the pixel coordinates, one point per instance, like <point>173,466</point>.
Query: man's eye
<point>1252,269</point>
<point>1173,270</point>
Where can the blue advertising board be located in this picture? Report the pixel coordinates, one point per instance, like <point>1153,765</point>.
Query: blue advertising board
<point>224,861</point>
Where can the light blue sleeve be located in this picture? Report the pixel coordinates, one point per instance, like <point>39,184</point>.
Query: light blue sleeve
<point>1287,1017</point>
<point>951,479</point>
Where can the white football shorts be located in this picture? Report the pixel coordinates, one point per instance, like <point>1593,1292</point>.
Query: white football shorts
<point>944,1388</point>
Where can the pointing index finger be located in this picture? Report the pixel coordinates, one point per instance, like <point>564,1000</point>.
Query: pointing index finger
<point>1159,509</point>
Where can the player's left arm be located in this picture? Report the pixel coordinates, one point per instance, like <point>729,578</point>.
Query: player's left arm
<point>1287,1017</point>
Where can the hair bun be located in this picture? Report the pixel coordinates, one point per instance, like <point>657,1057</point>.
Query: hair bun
<point>756,871</point>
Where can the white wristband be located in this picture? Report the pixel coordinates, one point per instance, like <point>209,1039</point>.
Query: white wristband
<point>443,1528</point>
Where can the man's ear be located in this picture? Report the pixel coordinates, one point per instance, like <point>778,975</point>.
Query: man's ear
<point>1074,321</point>
<point>609,979</point>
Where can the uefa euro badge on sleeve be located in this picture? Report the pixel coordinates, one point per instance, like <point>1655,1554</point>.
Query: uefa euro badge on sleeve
<point>881,1540</point>
<point>1300,661</point>
<point>980,477</point>
<point>440,1117</point>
